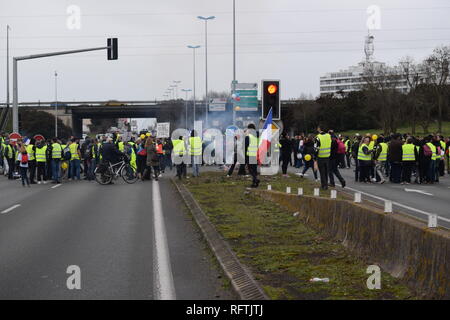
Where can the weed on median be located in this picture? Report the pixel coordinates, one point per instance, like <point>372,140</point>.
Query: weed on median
<point>283,253</point>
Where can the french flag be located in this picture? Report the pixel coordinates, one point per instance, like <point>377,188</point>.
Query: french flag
<point>265,140</point>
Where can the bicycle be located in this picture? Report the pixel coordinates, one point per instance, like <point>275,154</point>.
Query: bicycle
<point>105,173</point>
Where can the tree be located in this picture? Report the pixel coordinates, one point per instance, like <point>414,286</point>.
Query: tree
<point>40,122</point>
<point>436,68</point>
<point>413,74</point>
<point>385,100</point>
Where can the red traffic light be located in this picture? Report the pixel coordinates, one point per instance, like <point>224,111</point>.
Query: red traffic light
<point>272,89</point>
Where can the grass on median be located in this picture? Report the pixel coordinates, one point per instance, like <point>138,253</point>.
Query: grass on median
<point>283,253</point>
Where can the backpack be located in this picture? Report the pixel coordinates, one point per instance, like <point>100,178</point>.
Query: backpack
<point>88,152</point>
<point>24,159</point>
<point>66,153</point>
<point>427,151</point>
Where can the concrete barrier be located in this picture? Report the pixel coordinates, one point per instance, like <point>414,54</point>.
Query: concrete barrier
<point>402,246</point>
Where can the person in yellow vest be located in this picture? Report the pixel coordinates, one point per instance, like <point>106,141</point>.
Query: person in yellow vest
<point>323,151</point>
<point>56,160</point>
<point>251,151</point>
<point>120,144</point>
<point>31,151</point>
<point>441,162</point>
<point>41,161</point>
<point>179,150</point>
<point>409,157</point>
<point>10,156</point>
<point>75,159</point>
<point>348,147</point>
<point>365,160</point>
<point>195,151</point>
<point>380,156</point>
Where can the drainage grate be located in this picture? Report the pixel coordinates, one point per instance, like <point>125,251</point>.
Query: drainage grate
<point>241,279</point>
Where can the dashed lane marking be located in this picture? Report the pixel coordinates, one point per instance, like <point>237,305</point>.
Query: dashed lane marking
<point>11,208</point>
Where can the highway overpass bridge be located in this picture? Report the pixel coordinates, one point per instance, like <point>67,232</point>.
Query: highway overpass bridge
<point>73,113</point>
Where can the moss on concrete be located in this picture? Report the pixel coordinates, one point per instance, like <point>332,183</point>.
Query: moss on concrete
<point>282,252</point>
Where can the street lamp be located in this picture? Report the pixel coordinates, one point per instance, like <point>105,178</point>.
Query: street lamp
<point>193,49</point>
<point>206,62</point>
<point>234,57</point>
<point>186,105</point>
<point>176,88</point>
<point>56,104</point>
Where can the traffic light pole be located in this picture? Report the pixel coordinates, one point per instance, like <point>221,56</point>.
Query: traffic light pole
<point>36,56</point>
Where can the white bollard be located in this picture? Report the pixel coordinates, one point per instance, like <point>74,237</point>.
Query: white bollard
<point>300,191</point>
<point>432,221</point>
<point>358,197</point>
<point>333,194</point>
<point>388,206</point>
<point>269,187</point>
<point>316,192</point>
<point>288,189</point>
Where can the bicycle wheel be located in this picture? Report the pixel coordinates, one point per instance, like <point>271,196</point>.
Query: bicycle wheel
<point>103,177</point>
<point>129,175</point>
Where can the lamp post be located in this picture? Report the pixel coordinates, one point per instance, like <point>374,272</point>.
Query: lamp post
<point>7,66</point>
<point>206,19</point>
<point>56,104</point>
<point>186,105</point>
<point>193,49</point>
<point>176,88</point>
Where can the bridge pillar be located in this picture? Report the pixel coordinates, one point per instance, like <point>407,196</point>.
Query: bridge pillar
<point>77,126</point>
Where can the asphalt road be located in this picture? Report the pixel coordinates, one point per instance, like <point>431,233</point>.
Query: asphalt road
<point>129,242</point>
<point>413,199</point>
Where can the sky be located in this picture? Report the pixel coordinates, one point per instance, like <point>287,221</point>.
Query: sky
<point>291,40</point>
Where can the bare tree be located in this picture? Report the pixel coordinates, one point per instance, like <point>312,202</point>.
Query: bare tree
<point>383,96</point>
<point>413,74</point>
<point>436,68</point>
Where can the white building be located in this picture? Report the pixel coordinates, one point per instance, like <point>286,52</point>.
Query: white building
<point>352,78</point>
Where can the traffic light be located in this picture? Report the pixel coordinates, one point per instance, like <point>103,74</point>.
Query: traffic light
<point>112,49</point>
<point>271,99</point>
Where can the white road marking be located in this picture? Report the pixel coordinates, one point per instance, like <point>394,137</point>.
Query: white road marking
<point>11,208</point>
<point>164,286</point>
<point>397,204</point>
<point>58,185</point>
<point>418,191</point>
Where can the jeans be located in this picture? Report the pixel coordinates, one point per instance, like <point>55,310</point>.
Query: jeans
<point>75,168</point>
<point>310,164</point>
<point>41,171</point>
<point>55,170</point>
<point>32,168</point>
<point>431,176</point>
<point>23,175</point>
<point>196,161</point>
<point>181,170</point>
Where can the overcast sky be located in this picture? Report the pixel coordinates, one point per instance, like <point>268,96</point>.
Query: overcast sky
<point>292,40</point>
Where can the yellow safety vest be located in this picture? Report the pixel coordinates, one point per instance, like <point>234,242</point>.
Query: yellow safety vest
<point>178,147</point>
<point>30,152</point>
<point>56,151</point>
<point>121,146</point>
<point>408,152</point>
<point>10,151</point>
<point>362,155</point>
<point>41,154</point>
<point>433,150</point>
<point>384,151</point>
<point>74,151</point>
<point>252,149</point>
<point>195,146</point>
<point>325,145</point>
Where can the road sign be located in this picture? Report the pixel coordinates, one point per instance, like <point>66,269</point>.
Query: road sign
<point>248,97</point>
<point>163,130</point>
<point>218,104</point>
<point>39,137</point>
<point>14,137</point>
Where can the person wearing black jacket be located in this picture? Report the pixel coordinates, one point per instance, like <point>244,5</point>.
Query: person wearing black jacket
<point>286,151</point>
<point>110,153</point>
